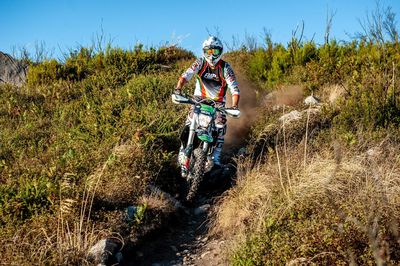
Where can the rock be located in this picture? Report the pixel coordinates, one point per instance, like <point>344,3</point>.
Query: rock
<point>174,248</point>
<point>186,251</point>
<point>311,100</point>
<point>289,117</point>
<point>12,71</point>
<point>202,209</point>
<point>103,252</point>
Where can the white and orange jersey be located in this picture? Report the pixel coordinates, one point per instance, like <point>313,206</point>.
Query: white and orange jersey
<point>212,82</point>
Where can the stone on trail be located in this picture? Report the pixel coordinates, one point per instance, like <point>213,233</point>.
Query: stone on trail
<point>103,252</point>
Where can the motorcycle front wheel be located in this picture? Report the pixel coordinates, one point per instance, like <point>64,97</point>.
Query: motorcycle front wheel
<point>196,173</point>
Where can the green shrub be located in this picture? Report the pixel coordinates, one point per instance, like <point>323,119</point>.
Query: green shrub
<point>368,71</point>
<point>115,65</point>
<point>30,196</point>
<point>44,73</point>
<point>372,100</point>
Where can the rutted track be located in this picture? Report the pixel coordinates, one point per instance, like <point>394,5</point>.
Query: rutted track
<point>186,240</point>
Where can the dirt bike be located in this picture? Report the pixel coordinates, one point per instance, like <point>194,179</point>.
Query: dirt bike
<point>199,139</point>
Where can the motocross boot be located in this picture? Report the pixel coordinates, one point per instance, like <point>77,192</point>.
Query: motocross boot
<point>217,158</point>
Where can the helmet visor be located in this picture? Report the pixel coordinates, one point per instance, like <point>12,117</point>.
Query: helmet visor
<point>212,51</point>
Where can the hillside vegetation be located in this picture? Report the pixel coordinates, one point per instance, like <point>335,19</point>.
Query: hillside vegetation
<point>321,190</point>
<point>80,142</point>
<point>84,139</point>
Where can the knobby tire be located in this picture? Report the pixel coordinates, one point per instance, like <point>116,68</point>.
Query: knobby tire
<point>196,174</point>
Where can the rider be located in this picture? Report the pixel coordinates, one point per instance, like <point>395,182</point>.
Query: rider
<point>213,77</point>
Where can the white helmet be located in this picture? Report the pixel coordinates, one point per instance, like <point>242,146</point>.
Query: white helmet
<point>212,50</point>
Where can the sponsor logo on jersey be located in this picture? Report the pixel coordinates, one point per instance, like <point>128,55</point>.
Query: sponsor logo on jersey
<point>211,76</point>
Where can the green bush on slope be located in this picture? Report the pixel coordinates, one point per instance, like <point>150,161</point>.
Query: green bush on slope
<point>368,73</point>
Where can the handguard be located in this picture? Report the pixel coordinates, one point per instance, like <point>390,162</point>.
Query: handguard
<point>179,99</point>
<point>232,112</point>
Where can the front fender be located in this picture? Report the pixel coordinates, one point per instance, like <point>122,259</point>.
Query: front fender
<point>203,135</point>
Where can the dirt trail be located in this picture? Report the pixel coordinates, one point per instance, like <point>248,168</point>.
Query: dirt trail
<point>186,241</point>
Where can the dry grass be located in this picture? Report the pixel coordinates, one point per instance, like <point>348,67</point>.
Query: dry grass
<point>312,198</point>
<point>238,209</point>
<point>156,199</point>
<point>122,180</point>
<point>357,189</point>
<point>332,93</point>
<point>76,234</point>
<point>75,231</point>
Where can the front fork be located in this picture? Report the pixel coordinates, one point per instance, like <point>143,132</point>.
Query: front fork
<point>189,145</point>
<point>192,129</point>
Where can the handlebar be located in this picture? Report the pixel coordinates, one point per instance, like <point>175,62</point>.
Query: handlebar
<point>186,99</point>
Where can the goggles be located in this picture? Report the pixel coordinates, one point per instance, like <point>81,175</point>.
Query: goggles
<point>212,51</point>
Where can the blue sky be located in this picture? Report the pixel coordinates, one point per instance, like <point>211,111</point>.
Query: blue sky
<point>67,24</point>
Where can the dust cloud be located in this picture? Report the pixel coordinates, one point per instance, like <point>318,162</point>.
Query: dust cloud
<point>239,129</point>
<point>288,95</point>
<point>250,100</point>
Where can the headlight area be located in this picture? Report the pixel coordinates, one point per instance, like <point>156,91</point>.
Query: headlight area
<point>204,120</point>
